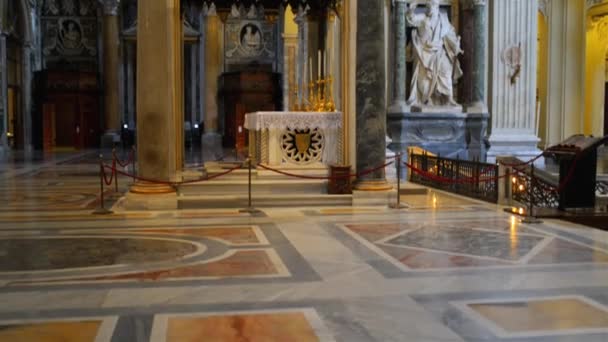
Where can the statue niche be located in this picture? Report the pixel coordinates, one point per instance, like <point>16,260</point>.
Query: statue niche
<point>435,47</point>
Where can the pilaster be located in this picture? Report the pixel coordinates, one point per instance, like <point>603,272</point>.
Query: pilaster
<point>474,32</point>
<point>513,86</point>
<point>3,95</point>
<point>26,98</point>
<point>212,140</point>
<point>111,82</point>
<point>302,65</point>
<point>398,103</point>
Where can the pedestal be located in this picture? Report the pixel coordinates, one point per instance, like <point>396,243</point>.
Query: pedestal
<point>440,133</point>
<point>450,135</point>
<point>520,145</point>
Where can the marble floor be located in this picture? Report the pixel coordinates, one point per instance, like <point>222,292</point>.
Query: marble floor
<point>443,269</point>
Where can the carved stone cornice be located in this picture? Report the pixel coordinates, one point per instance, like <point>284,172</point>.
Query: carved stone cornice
<point>591,3</point>
<point>600,23</point>
<point>110,7</point>
<point>470,4</point>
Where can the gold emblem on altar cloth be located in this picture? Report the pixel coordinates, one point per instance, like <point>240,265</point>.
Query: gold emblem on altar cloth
<point>303,141</point>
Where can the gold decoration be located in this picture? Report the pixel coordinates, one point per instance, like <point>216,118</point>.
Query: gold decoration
<point>303,142</point>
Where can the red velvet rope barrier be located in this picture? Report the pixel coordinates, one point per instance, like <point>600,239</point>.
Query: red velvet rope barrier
<point>128,162</point>
<point>155,181</point>
<point>359,174</point>
<point>112,175</point>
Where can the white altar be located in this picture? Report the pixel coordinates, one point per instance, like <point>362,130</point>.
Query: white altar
<point>291,139</point>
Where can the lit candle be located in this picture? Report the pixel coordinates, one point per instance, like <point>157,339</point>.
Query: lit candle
<point>325,73</point>
<point>319,66</point>
<point>309,69</point>
<point>331,61</point>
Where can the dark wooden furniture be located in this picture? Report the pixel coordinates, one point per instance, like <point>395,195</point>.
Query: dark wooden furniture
<point>577,157</point>
<point>69,109</point>
<point>245,92</point>
<point>339,182</point>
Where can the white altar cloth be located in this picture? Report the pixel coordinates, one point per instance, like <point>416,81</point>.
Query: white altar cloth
<point>293,120</point>
<point>267,128</point>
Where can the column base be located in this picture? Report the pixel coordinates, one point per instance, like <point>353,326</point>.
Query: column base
<point>373,185</point>
<point>149,196</point>
<point>212,146</point>
<point>366,198</point>
<point>399,107</point>
<point>522,146</point>
<point>147,188</point>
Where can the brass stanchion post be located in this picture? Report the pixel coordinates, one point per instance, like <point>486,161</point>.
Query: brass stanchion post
<point>101,210</point>
<point>398,205</point>
<point>250,209</point>
<point>530,217</point>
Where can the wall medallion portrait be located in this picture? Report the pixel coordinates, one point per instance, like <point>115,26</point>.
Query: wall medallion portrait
<point>251,38</point>
<point>70,37</point>
<point>247,40</point>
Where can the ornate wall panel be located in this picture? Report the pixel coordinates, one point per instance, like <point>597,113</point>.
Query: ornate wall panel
<point>69,31</point>
<point>248,38</point>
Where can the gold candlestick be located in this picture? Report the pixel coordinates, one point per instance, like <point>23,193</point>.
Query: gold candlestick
<point>330,105</point>
<point>320,107</point>
<point>311,97</point>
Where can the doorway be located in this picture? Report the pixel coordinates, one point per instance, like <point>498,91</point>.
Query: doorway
<point>13,129</point>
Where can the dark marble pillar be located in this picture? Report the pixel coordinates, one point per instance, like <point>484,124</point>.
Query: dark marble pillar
<point>370,92</point>
<point>3,94</point>
<point>398,104</point>
<point>27,97</point>
<point>474,31</point>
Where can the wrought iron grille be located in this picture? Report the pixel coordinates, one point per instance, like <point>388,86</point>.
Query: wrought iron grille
<point>468,178</point>
<point>543,193</point>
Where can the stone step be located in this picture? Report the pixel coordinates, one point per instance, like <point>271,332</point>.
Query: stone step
<point>266,201</point>
<point>267,186</point>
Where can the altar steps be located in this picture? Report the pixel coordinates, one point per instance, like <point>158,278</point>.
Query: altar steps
<point>264,201</point>
<point>269,189</point>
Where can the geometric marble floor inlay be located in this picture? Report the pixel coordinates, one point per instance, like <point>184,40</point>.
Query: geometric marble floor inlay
<point>541,316</point>
<point>301,326</point>
<point>469,241</point>
<point>443,269</point>
<point>51,332</point>
<point>469,244</point>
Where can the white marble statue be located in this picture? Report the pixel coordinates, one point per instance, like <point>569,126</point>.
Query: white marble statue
<point>436,48</point>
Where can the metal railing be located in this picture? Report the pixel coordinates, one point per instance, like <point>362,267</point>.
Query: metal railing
<point>468,178</point>
<point>533,186</point>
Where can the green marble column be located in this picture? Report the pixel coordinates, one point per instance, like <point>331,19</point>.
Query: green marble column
<point>398,104</point>
<point>370,90</point>
<point>474,32</point>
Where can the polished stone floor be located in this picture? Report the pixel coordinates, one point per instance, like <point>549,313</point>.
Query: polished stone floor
<point>444,269</point>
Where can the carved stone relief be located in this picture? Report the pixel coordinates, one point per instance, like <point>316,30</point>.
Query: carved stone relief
<point>69,30</point>
<point>248,36</point>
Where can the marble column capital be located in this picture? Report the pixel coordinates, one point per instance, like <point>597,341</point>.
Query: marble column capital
<point>469,4</point>
<point>110,7</point>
